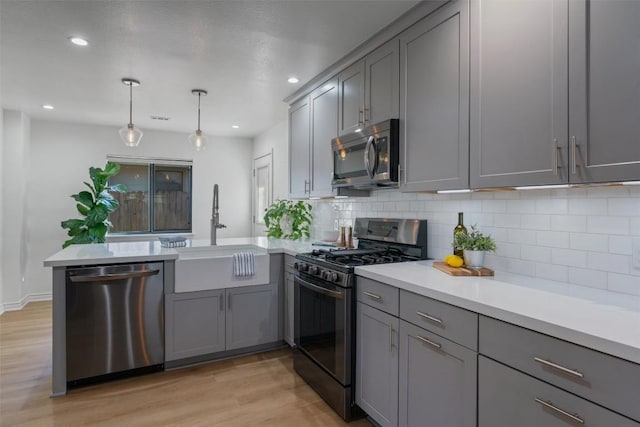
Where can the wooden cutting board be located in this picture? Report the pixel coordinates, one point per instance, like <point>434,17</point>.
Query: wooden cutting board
<point>462,271</point>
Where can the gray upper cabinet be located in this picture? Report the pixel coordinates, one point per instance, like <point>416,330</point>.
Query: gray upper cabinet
<point>604,90</point>
<point>299,149</point>
<point>519,105</point>
<point>252,316</point>
<point>377,365</point>
<point>434,93</point>
<point>382,83</point>
<point>324,127</point>
<point>437,380</point>
<point>369,89</point>
<point>351,93</point>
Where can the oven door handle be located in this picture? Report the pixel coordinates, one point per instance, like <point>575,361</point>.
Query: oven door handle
<point>320,289</point>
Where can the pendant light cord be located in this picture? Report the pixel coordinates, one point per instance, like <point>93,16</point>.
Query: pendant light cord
<point>199,94</point>
<point>130,103</point>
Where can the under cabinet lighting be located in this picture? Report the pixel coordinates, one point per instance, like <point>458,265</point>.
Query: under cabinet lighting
<point>340,197</point>
<point>465,190</point>
<point>79,41</point>
<point>48,106</point>
<point>543,187</point>
<point>631,183</point>
<point>314,198</point>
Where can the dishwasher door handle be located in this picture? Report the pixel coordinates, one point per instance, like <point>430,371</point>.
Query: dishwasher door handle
<point>111,277</point>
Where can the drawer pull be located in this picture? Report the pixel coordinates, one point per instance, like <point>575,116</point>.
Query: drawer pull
<point>550,405</point>
<point>560,368</point>
<point>427,341</point>
<point>372,296</point>
<point>431,318</point>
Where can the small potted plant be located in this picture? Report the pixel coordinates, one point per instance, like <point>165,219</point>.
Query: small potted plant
<point>474,246</point>
<point>286,219</point>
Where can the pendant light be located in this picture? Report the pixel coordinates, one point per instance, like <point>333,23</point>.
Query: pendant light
<point>198,139</point>
<point>129,134</point>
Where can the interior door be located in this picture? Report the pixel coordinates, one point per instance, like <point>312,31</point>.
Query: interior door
<point>262,191</point>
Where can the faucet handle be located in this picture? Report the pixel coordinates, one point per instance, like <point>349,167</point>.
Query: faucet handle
<point>221,226</point>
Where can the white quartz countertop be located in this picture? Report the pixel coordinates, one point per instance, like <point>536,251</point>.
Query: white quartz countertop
<point>120,252</point>
<point>593,318</point>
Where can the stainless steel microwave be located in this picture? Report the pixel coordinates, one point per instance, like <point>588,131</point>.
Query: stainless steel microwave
<point>367,159</point>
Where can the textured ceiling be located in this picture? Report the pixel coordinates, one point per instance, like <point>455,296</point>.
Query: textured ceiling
<point>241,52</point>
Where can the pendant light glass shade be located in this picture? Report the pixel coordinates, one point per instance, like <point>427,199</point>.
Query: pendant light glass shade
<point>129,134</point>
<point>198,139</point>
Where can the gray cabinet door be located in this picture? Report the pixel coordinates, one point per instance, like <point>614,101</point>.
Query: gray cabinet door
<point>508,398</point>
<point>299,154</point>
<point>377,365</point>
<point>434,108</point>
<point>252,316</point>
<point>437,380</point>
<point>351,98</point>
<point>324,127</point>
<point>382,83</point>
<point>195,324</point>
<point>519,85</point>
<point>604,90</point>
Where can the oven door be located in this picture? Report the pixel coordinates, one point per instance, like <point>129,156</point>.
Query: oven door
<point>323,325</point>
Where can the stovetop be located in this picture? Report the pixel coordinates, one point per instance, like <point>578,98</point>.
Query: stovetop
<point>357,257</point>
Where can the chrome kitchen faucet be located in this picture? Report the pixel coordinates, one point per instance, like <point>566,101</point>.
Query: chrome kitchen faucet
<point>215,216</point>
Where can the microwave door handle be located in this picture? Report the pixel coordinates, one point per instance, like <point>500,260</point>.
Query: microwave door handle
<point>376,156</point>
<point>367,150</point>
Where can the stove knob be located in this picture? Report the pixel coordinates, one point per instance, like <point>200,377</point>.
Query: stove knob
<point>296,266</point>
<point>326,275</point>
<point>314,270</point>
<point>333,277</point>
<point>303,266</point>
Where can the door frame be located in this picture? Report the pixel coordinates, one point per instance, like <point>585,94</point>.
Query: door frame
<point>260,162</point>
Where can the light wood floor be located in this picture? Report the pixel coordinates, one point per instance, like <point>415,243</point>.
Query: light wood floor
<point>258,390</point>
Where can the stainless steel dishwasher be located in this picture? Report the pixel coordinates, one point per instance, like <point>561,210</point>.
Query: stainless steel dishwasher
<point>114,321</point>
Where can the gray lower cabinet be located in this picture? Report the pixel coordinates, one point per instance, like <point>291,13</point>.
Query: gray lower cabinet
<point>205,322</point>
<point>507,398</point>
<point>195,324</point>
<point>377,364</point>
<point>437,380</point>
<point>434,94</point>
<point>252,316</point>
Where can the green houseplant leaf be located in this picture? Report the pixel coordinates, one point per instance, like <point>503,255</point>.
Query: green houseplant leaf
<point>286,219</point>
<point>474,241</point>
<point>95,206</point>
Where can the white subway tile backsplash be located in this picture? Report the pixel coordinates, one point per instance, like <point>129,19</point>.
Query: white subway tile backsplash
<point>588,242</point>
<point>586,277</point>
<point>608,225</point>
<point>623,284</point>
<point>578,235</point>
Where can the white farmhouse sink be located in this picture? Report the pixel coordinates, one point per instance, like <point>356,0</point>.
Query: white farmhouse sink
<point>203,268</point>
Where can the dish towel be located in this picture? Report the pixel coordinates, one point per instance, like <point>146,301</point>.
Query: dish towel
<point>244,264</point>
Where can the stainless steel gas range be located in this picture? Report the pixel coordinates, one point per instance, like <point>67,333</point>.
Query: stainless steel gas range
<point>324,313</point>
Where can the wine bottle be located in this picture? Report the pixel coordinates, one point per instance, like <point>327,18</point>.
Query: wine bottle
<point>460,228</point>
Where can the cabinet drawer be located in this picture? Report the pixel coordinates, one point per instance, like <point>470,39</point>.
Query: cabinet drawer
<point>508,398</point>
<point>378,295</point>
<point>454,323</point>
<point>606,380</point>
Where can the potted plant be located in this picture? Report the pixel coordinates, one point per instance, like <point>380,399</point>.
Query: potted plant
<point>474,246</point>
<point>95,206</point>
<point>286,219</point>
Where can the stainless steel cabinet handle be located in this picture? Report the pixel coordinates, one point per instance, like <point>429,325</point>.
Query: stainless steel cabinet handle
<point>111,277</point>
<point>428,341</point>
<point>372,296</point>
<point>573,155</point>
<point>360,116</point>
<point>554,156</point>
<point>367,116</point>
<point>431,318</point>
<point>307,186</point>
<point>550,405</point>
<point>558,367</point>
<point>391,340</point>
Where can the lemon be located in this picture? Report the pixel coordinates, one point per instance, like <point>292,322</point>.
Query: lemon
<point>453,260</point>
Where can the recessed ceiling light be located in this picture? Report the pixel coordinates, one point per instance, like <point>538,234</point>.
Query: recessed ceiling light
<point>293,80</point>
<point>78,41</point>
<point>48,106</point>
<point>235,126</point>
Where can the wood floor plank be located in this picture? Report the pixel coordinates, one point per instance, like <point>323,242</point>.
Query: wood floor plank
<point>256,390</point>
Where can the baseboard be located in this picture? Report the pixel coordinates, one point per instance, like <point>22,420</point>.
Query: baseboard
<point>13,306</point>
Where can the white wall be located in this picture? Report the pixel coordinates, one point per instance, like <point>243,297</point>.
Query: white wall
<point>277,139</point>
<point>15,235</point>
<point>61,154</point>
<point>583,236</point>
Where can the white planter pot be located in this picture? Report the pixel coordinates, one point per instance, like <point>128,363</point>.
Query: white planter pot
<point>473,259</point>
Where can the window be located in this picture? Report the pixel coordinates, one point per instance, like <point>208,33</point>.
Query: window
<point>169,208</point>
